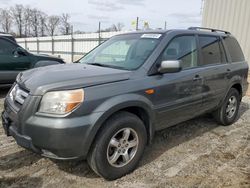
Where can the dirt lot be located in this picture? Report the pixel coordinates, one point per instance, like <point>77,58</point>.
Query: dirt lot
<point>198,153</point>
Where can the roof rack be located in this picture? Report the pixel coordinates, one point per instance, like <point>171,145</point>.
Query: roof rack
<point>210,29</point>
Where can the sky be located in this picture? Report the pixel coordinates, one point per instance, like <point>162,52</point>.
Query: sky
<point>85,14</point>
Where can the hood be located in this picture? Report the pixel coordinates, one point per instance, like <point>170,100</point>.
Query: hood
<point>68,76</point>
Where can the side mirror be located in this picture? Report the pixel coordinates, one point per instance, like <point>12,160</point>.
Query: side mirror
<point>20,52</point>
<point>170,66</point>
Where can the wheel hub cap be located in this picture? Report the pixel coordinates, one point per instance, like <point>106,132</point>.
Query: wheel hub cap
<point>122,147</point>
<point>231,107</point>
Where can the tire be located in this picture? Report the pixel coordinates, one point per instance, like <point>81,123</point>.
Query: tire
<point>222,115</point>
<point>102,155</point>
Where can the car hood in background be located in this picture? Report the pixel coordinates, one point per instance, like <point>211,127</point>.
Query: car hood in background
<point>68,76</point>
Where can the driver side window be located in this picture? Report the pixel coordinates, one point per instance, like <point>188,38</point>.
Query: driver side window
<point>6,47</point>
<point>182,48</point>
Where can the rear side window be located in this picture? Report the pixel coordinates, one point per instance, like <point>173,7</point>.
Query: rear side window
<point>212,50</point>
<point>6,47</point>
<point>234,49</point>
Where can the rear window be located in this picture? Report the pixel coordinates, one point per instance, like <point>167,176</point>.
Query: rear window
<point>234,49</point>
<point>212,50</point>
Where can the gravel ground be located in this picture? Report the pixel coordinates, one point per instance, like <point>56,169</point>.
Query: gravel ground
<point>197,153</point>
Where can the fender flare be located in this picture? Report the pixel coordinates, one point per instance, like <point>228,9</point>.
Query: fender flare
<point>233,81</point>
<point>115,104</point>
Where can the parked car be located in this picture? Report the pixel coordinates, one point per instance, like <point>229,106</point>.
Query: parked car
<point>107,108</point>
<point>14,59</point>
<point>7,36</point>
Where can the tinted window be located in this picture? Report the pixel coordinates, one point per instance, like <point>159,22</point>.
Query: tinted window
<point>234,49</point>
<point>6,47</point>
<point>182,48</point>
<point>212,50</point>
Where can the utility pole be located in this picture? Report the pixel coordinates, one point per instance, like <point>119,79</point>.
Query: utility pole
<point>165,26</point>
<point>99,32</point>
<point>137,24</point>
<point>72,44</point>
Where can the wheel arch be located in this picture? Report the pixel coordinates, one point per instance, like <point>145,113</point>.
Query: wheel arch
<point>238,87</point>
<point>141,107</point>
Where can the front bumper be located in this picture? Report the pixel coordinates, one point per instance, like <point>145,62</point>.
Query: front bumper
<point>58,138</point>
<point>21,140</point>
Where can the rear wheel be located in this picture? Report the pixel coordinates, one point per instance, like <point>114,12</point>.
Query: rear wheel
<point>119,146</point>
<point>228,111</point>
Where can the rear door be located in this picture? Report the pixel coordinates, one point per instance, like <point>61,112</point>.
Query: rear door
<point>11,63</point>
<point>178,95</point>
<point>215,70</point>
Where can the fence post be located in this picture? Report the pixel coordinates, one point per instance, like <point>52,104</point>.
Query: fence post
<point>72,48</point>
<point>37,45</point>
<point>52,43</point>
<point>99,33</point>
<point>25,43</point>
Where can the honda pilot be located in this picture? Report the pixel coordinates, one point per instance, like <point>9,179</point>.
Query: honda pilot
<point>107,107</point>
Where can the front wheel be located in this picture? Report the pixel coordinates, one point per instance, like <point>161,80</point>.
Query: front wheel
<point>227,113</point>
<point>119,146</point>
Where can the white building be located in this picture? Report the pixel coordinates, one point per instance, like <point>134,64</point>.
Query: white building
<point>232,16</point>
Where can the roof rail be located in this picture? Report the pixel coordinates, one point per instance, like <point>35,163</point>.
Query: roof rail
<point>210,29</point>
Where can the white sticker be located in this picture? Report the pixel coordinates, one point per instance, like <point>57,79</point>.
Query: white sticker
<point>151,35</point>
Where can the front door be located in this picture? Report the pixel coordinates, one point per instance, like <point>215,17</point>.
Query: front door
<point>11,63</point>
<point>178,95</point>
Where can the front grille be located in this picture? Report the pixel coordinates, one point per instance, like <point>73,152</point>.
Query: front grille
<point>18,95</point>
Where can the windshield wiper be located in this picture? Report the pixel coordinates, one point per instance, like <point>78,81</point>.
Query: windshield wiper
<point>97,64</point>
<point>109,66</point>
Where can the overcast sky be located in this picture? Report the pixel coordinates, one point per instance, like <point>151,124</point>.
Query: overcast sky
<point>85,14</point>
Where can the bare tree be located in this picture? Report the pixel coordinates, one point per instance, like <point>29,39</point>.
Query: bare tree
<point>18,15</point>
<point>52,24</point>
<point>43,19</point>
<point>115,27</point>
<point>35,22</point>
<point>27,21</point>
<point>119,26</point>
<point>6,20</point>
<point>65,25</point>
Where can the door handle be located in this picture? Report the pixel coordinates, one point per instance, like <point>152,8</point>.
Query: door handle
<point>197,78</point>
<point>228,72</point>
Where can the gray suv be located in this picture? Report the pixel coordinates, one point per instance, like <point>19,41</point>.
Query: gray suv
<point>107,107</point>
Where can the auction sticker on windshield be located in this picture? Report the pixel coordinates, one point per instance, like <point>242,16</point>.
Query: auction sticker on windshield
<point>151,35</point>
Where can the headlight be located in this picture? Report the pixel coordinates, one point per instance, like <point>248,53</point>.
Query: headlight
<point>61,102</point>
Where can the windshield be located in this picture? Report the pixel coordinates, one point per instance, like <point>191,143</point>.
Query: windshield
<point>127,52</point>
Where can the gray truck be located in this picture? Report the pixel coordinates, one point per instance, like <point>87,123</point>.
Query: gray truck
<point>107,107</point>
